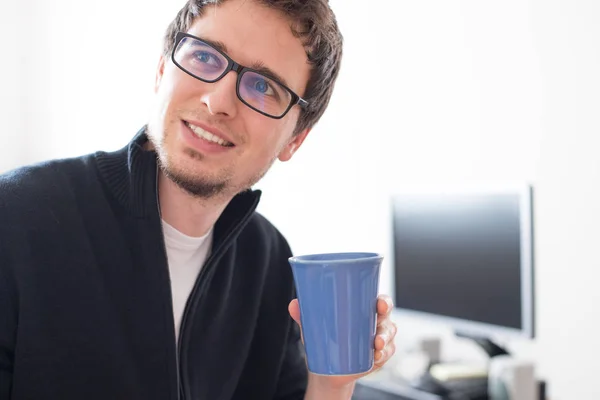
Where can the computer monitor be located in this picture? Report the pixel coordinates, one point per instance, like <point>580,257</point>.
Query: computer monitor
<point>465,257</point>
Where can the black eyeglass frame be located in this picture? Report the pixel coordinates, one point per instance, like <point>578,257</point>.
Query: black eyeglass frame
<point>240,70</point>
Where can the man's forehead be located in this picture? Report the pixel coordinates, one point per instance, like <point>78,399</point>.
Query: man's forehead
<point>237,29</point>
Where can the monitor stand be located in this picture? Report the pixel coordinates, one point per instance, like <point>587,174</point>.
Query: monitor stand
<point>491,348</point>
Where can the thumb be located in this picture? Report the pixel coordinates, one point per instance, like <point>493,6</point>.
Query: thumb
<point>294,309</point>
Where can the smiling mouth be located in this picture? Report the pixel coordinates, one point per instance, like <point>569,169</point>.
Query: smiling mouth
<point>209,137</point>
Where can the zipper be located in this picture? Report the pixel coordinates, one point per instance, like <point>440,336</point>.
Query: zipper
<point>164,247</point>
<point>199,287</point>
<point>196,289</point>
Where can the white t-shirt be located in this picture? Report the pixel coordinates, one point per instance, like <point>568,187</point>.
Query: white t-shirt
<point>186,256</point>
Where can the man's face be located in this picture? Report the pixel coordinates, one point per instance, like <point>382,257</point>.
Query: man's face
<point>252,35</point>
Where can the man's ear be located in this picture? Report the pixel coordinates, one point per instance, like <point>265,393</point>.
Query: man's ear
<point>159,73</point>
<point>293,145</point>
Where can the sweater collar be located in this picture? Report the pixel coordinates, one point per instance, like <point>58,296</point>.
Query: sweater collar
<point>130,174</point>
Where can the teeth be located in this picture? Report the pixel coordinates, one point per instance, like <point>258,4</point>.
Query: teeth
<point>207,135</point>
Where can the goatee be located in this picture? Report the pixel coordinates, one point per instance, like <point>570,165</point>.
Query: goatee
<point>195,186</point>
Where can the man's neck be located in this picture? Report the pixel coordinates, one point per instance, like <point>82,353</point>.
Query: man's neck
<point>189,215</point>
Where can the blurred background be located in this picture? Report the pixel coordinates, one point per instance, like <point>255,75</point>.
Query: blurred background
<point>430,92</point>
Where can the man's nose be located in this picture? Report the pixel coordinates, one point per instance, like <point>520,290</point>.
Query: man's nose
<point>220,97</point>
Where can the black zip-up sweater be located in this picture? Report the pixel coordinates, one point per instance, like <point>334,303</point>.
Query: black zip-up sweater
<point>85,298</point>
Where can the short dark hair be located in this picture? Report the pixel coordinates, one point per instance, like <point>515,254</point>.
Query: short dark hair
<point>313,22</point>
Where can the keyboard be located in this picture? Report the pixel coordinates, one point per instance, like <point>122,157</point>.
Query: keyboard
<point>390,391</point>
<point>472,389</point>
<point>468,389</point>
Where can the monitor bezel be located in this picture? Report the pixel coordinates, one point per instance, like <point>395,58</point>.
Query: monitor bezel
<point>527,330</point>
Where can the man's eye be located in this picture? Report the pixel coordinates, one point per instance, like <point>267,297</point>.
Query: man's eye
<point>206,57</point>
<point>262,86</point>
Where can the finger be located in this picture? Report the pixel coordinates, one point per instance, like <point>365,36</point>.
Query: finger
<point>383,356</point>
<point>385,305</point>
<point>383,318</point>
<point>385,334</point>
<point>294,310</point>
<point>378,357</point>
<point>391,328</point>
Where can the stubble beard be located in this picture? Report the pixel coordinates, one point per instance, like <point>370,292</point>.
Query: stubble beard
<point>200,187</point>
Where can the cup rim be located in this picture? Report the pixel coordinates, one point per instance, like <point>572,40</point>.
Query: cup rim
<point>367,256</point>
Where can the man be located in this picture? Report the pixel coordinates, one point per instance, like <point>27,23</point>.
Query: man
<point>146,273</point>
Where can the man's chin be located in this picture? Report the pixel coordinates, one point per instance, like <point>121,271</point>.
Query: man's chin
<point>200,188</point>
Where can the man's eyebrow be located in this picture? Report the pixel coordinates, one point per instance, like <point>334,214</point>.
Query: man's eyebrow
<point>261,68</point>
<point>217,45</point>
<point>258,66</point>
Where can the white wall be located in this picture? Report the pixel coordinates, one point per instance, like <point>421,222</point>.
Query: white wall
<point>474,91</point>
<point>430,91</point>
<point>567,37</point>
<point>90,72</point>
<point>10,85</point>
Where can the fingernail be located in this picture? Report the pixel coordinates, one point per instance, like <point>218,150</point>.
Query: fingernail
<point>389,302</point>
<point>385,338</point>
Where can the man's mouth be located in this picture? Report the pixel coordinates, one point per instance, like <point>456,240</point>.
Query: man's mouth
<point>201,133</point>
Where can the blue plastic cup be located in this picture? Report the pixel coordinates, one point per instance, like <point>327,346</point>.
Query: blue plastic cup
<point>337,293</point>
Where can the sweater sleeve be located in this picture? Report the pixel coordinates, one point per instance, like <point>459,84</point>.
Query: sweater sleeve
<point>294,373</point>
<point>8,324</point>
<point>293,378</point>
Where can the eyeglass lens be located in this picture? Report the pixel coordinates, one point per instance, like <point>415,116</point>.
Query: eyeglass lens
<point>255,90</point>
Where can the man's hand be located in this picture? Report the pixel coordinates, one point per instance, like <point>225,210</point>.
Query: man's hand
<point>322,386</point>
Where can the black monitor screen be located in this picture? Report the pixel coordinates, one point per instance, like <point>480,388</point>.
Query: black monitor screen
<point>459,256</point>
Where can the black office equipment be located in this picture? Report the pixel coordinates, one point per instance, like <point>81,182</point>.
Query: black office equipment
<point>464,257</point>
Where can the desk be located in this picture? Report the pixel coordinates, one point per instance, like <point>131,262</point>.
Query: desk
<point>382,385</point>
<point>393,389</point>
<point>389,391</point>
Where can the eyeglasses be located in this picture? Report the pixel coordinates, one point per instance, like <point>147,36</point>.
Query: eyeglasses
<point>260,92</point>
